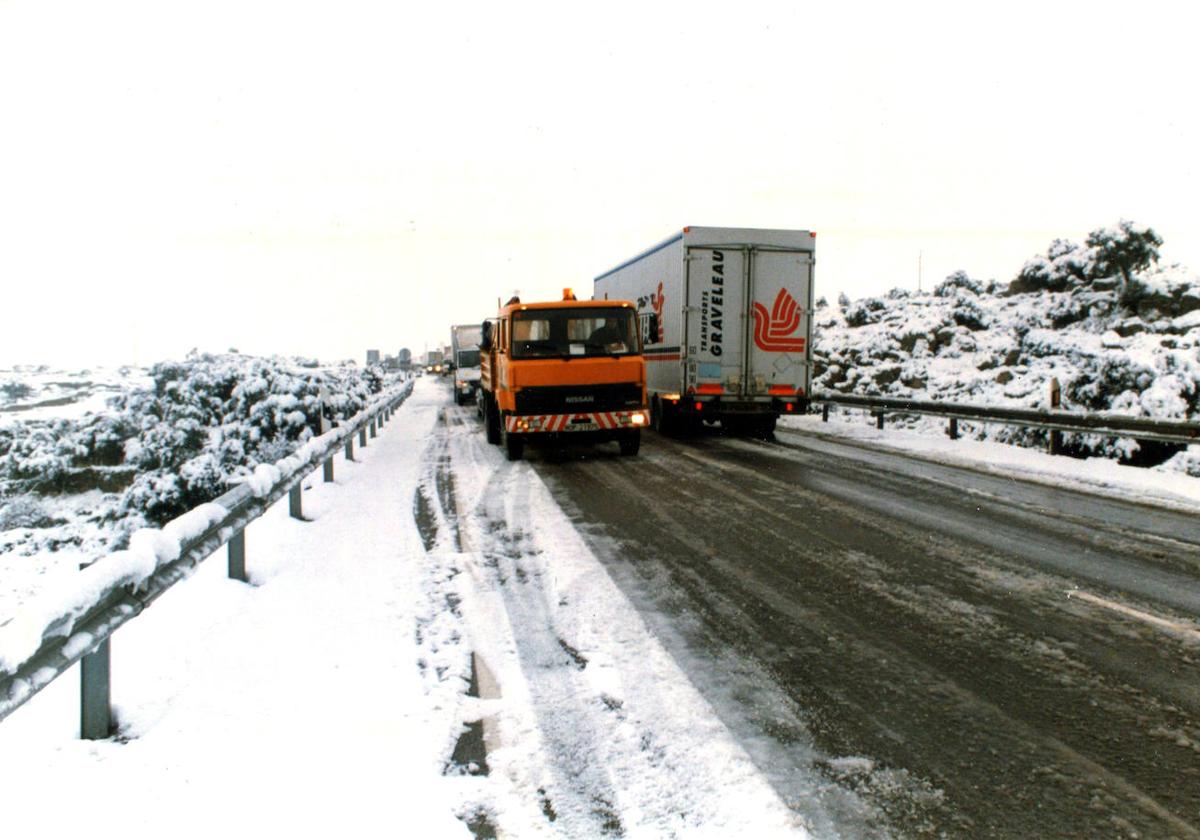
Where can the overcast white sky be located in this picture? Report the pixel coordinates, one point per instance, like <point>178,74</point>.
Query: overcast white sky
<point>323,178</point>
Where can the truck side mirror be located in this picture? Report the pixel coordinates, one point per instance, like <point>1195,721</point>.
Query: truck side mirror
<point>650,336</point>
<point>485,338</point>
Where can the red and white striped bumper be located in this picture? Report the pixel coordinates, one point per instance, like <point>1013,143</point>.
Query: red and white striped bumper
<point>600,421</point>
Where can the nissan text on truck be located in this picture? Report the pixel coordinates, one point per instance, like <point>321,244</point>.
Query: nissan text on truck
<point>464,350</point>
<point>726,326</point>
<point>569,369</point>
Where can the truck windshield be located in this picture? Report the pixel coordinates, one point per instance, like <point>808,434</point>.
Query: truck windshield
<point>570,333</point>
<point>468,358</point>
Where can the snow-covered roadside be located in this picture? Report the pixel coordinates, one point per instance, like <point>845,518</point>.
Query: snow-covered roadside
<point>293,707</point>
<point>1101,476</point>
<point>597,724</point>
<point>326,699</point>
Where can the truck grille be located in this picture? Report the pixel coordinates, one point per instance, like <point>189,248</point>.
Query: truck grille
<point>588,398</point>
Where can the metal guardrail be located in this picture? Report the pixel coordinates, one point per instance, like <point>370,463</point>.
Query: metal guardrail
<point>1113,425</point>
<point>119,586</point>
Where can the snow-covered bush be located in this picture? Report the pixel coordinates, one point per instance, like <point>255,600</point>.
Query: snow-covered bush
<point>25,512</point>
<point>13,390</point>
<point>865,311</point>
<point>958,282</point>
<point>1114,252</point>
<point>1116,343</point>
<point>967,313</point>
<point>201,424</point>
<point>1126,249</point>
<point>211,420</point>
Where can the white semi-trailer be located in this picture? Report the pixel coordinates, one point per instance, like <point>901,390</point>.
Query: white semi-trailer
<point>726,325</point>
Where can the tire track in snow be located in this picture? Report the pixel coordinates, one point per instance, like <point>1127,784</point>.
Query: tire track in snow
<point>581,795</point>
<point>604,735</point>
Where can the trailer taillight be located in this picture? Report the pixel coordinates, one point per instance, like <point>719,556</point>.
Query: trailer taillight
<point>790,407</point>
<point>699,406</point>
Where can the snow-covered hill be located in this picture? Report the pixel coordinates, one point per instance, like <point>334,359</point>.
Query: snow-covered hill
<point>1118,331</point>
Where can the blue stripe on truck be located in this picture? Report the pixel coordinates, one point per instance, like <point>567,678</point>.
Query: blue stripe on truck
<point>642,256</point>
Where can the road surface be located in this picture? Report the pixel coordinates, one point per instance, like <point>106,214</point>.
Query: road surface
<point>972,656</point>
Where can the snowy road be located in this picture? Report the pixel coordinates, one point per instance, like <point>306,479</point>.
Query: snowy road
<point>714,639</point>
<point>952,653</point>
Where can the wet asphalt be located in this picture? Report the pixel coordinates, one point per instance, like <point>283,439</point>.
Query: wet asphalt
<point>952,654</point>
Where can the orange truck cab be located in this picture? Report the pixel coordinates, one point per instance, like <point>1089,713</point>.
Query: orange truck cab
<point>569,370</point>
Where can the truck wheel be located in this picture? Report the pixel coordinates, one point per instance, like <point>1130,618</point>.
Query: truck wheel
<point>492,419</point>
<point>630,442</point>
<point>664,418</point>
<point>765,428</point>
<point>514,445</point>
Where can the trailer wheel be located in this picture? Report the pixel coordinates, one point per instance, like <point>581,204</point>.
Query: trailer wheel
<point>514,445</point>
<point>492,412</point>
<point>630,442</point>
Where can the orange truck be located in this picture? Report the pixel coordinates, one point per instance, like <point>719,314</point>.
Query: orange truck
<point>563,370</point>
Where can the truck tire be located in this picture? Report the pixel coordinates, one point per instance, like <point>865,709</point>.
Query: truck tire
<point>514,445</point>
<point>492,419</point>
<point>664,418</point>
<point>630,442</point>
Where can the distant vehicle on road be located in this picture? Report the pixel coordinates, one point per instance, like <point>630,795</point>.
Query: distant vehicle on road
<point>464,353</point>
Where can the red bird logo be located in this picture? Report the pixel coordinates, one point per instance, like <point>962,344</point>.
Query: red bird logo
<point>773,330</point>
<point>656,301</point>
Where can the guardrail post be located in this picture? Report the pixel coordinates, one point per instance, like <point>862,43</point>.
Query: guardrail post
<point>295,506</point>
<point>825,413</point>
<point>372,427</point>
<point>237,556</point>
<point>362,436</point>
<point>95,694</point>
<point>1055,403</point>
<point>328,473</point>
<point>879,420</point>
<point>952,431</point>
<point>350,448</point>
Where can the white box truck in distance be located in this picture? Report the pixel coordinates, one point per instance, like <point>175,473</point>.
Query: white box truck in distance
<point>464,351</point>
<point>726,326</point>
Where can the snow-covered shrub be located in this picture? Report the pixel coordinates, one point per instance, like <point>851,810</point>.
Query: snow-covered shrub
<point>865,311</point>
<point>958,282</point>
<point>1125,249</point>
<point>1096,386</point>
<point>1187,462</point>
<point>1114,252</point>
<point>209,420</point>
<point>1065,264</point>
<point>14,390</point>
<point>967,313</point>
<point>25,512</point>
<point>201,424</point>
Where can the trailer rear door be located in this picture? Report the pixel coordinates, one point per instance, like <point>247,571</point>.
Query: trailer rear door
<point>779,323</point>
<point>716,279</point>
